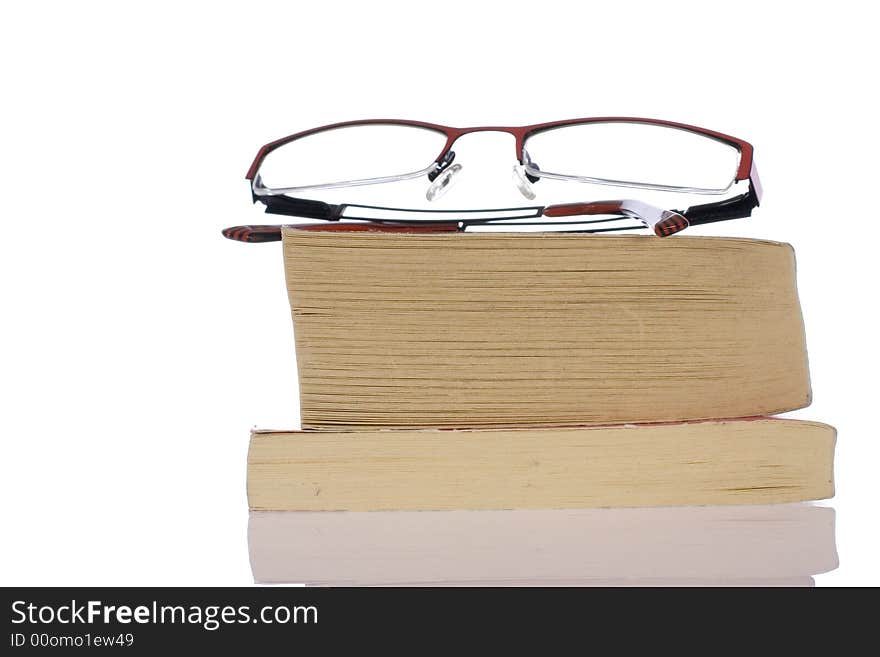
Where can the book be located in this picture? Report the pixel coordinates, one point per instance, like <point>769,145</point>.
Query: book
<point>411,330</point>
<point>776,545</point>
<point>744,461</point>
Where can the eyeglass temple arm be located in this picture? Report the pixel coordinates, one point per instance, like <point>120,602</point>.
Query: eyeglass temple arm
<point>736,207</point>
<point>662,222</point>
<point>300,207</point>
<point>255,234</point>
<point>669,222</point>
<point>283,205</point>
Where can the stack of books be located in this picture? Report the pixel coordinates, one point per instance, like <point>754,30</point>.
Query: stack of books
<point>493,371</point>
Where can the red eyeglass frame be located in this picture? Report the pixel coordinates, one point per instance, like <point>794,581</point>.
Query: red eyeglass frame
<point>732,208</point>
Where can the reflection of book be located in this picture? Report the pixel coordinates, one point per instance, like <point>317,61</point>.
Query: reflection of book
<point>483,330</point>
<point>780,545</point>
<point>749,461</point>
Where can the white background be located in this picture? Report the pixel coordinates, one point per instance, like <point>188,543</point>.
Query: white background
<point>139,347</point>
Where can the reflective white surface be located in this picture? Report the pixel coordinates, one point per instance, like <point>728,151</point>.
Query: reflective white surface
<point>718,546</point>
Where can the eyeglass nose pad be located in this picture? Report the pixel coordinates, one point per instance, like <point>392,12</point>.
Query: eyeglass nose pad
<point>442,182</point>
<point>522,182</point>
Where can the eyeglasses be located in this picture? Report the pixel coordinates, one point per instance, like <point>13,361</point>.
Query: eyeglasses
<point>637,153</point>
